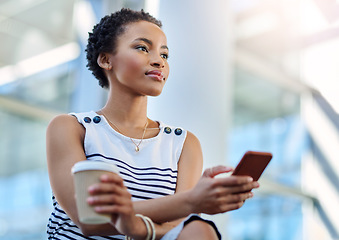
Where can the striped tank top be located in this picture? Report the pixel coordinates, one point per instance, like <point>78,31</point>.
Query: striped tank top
<point>149,173</point>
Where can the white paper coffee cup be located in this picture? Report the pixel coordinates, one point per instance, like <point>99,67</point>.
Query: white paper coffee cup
<point>86,173</point>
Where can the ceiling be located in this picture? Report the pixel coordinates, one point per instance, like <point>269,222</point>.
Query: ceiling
<point>30,27</point>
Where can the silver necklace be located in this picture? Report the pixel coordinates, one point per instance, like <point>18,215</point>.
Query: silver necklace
<point>137,149</point>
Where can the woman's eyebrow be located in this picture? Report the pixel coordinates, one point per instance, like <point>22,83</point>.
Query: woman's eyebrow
<point>146,40</point>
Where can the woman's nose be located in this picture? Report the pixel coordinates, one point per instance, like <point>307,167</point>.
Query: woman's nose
<point>157,61</point>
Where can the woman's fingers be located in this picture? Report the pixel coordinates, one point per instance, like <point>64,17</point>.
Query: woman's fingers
<point>102,188</point>
<point>231,207</point>
<point>243,188</point>
<point>227,202</point>
<point>112,177</point>
<point>233,201</point>
<point>221,190</point>
<point>112,198</point>
<point>224,197</point>
<point>236,183</point>
<point>233,181</point>
<point>114,209</point>
<point>109,183</point>
<point>240,197</point>
<point>212,172</point>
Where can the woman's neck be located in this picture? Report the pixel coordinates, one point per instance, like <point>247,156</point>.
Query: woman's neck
<point>125,110</point>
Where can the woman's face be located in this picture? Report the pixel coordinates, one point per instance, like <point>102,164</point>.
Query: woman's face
<point>139,64</point>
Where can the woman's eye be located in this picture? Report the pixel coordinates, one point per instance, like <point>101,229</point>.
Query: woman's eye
<point>142,48</point>
<point>164,56</point>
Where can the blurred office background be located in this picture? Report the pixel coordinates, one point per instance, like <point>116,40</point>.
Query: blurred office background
<point>245,75</point>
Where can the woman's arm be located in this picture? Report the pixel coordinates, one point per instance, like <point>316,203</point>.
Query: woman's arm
<point>64,142</point>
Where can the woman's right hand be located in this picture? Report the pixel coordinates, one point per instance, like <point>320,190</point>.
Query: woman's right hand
<point>110,196</point>
<point>217,195</point>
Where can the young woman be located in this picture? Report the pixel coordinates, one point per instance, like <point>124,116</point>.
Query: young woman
<point>160,166</point>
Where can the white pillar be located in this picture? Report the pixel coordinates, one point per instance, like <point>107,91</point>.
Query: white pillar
<point>198,94</point>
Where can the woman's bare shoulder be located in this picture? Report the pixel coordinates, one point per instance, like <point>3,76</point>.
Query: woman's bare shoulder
<point>65,124</point>
<point>192,137</point>
<point>191,142</point>
<point>63,119</point>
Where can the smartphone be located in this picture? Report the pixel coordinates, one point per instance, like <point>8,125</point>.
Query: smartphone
<point>253,164</point>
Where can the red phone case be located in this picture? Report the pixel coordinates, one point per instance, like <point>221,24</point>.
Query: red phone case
<point>253,164</point>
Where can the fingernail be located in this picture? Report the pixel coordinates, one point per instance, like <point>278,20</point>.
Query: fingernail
<point>249,179</point>
<point>250,194</point>
<point>90,200</point>
<point>98,209</point>
<point>228,168</point>
<point>104,177</point>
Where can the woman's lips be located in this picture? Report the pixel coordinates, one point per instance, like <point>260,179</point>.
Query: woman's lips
<point>156,74</point>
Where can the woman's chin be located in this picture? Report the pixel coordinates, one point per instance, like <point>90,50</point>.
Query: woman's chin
<point>154,92</point>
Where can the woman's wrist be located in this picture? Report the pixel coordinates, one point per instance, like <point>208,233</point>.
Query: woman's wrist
<point>139,230</point>
<point>190,202</point>
<point>144,229</point>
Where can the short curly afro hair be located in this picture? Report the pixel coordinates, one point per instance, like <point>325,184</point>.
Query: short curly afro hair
<point>105,34</point>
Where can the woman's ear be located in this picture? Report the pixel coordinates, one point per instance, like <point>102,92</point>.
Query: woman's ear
<point>104,61</point>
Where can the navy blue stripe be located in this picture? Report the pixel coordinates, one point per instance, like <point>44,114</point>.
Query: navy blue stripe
<point>149,185</point>
<point>61,218</point>
<point>51,228</point>
<point>141,197</point>
<point>148,173</point>
<point>148,179</point>
<point>60,224</point>
<point>147,191</point>
<point>117,160</point>
<point>60,210</point>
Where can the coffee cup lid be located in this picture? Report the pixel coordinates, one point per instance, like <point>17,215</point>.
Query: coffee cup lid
<point>94,165</point>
